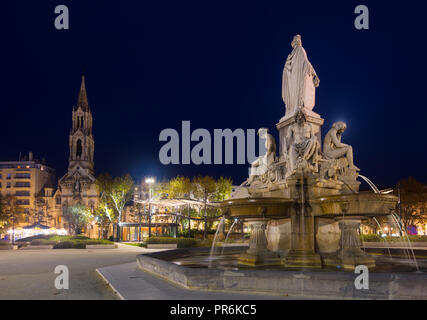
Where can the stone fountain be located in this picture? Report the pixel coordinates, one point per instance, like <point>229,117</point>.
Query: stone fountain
<point>302,202</point>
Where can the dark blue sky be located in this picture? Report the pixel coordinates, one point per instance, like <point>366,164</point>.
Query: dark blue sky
<point>150,65</point>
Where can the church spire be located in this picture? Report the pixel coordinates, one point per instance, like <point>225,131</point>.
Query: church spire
<point>82,99</point>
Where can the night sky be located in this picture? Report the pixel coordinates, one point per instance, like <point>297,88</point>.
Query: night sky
<point>150,65</point>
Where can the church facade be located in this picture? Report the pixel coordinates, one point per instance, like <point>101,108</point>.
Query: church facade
<point>78,186</point>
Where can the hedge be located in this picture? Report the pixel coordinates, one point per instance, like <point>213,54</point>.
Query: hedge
<point>181,242</point>
<point>42,242</point>
<point>68,244</point>
<point>65,238</point>
<point>378,238</point>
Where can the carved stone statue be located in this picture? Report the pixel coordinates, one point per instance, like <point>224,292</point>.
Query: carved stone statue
<point>333,148</point>
<point>261,165</point>
<point>303,144</point>
<point>299,80</point>
<point>77,186</point>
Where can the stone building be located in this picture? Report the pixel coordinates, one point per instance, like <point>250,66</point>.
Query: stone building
<point>32,183</point>
<point>77,186</point>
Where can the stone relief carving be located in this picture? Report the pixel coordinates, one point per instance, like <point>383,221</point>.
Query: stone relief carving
<point>264,163</point>
<point>333,148</point>
<point>303,145</point>
<point>338,156</point>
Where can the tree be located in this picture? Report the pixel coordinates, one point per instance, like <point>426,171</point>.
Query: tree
<point>204,189</point>
<point>223,189</point>
<point>41,210</point>
<point>104,213</point>
<point>10,214</point>
<point>5,217</point>
<point>118,192</point>
<point>413,197</point>
<point>104,216</point>
<point>77,217</point>
<point>179,187</point>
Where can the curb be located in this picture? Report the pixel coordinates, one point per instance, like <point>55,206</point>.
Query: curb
<point>109,283</point>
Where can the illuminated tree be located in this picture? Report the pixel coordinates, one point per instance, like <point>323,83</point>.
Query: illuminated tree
<point>77,217</point>
<point>116,193</point>
<point>204,189</point>
<point>223,188</point>
<point>10,213</point>
<point>179,187</point>
<point>413,196</point>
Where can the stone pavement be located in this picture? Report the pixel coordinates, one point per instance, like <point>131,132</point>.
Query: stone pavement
<point>130,283</point>
<point>29,274</point>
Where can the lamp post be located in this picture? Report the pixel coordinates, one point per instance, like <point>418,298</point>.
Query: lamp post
<point>13,227</point>
<point>150,181</point>
<point>139,223</point>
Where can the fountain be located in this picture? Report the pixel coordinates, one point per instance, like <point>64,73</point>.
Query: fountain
<point>306,183</point>
<point>307,196</point>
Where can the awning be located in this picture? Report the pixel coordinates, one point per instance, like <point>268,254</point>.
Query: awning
<point>176,202</point>
<point>36,225</point>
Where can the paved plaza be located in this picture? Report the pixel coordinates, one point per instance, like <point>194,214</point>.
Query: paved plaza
<point>29,274</point>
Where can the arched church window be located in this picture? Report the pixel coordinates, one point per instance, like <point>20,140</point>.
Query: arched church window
<point>79,148</point>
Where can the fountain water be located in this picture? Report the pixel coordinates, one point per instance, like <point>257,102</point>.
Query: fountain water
<point>371,184</point>
<point>228,233</point>
<point>218,229</point>
<point>403,231</point>
<point>387,243</point>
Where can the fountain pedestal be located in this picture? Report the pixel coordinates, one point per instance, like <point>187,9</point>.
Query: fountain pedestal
<point>258,254</point>
<point>302,253</point>
<point>350,255</point>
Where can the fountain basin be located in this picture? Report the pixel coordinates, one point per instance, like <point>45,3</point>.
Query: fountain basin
<point>317,284</point>
<point>362,204</point>
<point>348,209</point>
<point>257,207</point>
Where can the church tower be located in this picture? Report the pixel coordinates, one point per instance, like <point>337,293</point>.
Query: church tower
<point>78,184</point>
<point>81,138</point>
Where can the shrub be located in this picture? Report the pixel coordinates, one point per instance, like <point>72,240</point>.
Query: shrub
<point>68,244</point>
<point>42,242</point>
<point>378,238</point>
<point>370,238</point>
<point>186,234</point>
<point>97,241</point>
<point>65,238</point>
<point>186,242</point>
<point>181,242</point>
<point>29,239</point>
<point>161,240</point>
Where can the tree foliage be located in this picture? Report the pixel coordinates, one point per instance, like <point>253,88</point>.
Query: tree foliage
<point>9,213</point>
<point>114,194</point>
<point>413,197</point>
<point>77,217</point>
<point>179,187</point>
<point>223,188</point>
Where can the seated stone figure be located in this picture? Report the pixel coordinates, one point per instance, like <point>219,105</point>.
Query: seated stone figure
<point>333,148</point>
<point>264,162</point>
<point>302,144</point>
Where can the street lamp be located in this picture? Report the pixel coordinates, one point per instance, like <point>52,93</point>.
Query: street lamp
<point>150,181</point>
